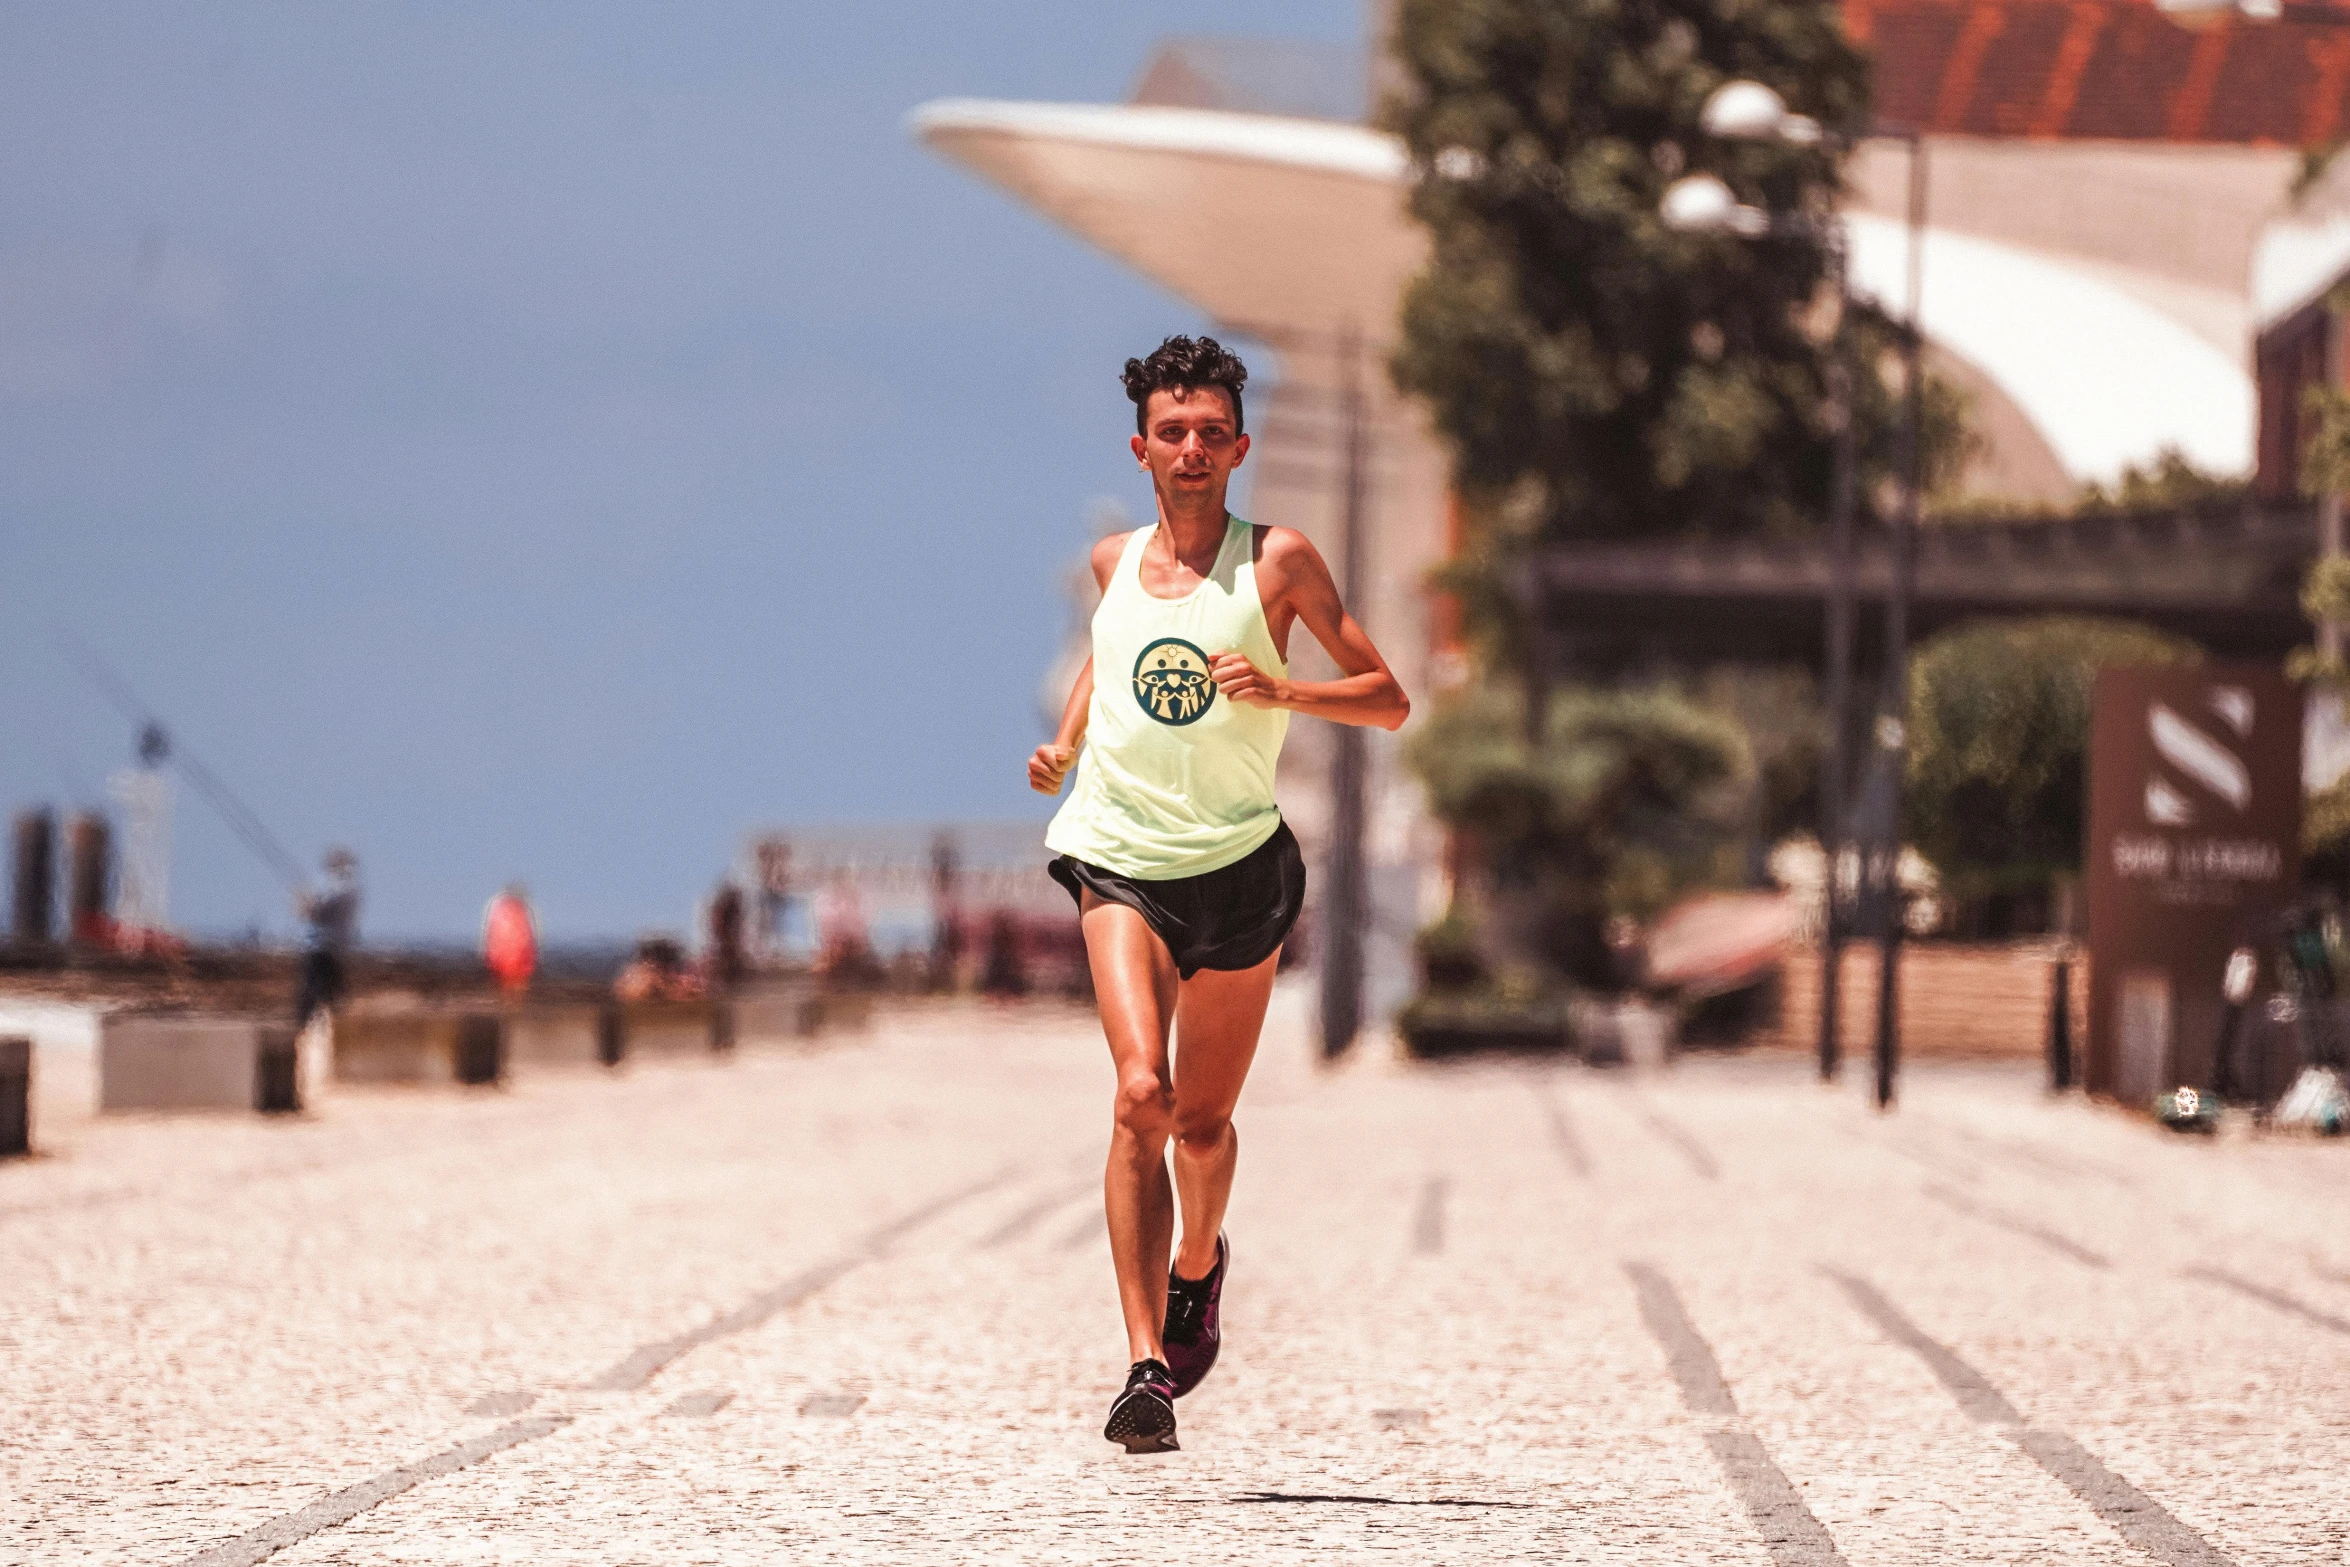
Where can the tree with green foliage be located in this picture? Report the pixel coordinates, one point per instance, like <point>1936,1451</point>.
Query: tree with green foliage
<point>1636,379</point>
<point>2325,599</point>
<point>1598,375</point>
<point>2169,482</point>
<point>1999,742</point>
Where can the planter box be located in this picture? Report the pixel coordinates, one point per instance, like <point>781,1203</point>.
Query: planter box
<point>1433,1030</point>
<point>419,1046</point>
<point>187,1061</point>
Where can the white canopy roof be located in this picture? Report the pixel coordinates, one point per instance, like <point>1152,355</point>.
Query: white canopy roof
<point>1251,217</point>
<point>2107,378</point>
<point>1257,219</point>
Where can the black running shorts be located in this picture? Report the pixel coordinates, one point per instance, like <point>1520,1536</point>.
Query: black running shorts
<point>1233,918</point>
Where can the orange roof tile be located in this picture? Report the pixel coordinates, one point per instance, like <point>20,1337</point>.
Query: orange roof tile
<point>2108,69</point>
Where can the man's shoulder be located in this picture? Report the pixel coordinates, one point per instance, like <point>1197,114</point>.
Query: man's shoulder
<point>1285,550</point>
<point>1106,551</point>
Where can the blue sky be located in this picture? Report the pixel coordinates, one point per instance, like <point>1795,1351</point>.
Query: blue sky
<point>547,440</point>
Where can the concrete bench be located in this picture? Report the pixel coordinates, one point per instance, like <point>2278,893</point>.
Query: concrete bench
<point>675,1030</point>
<point>846,1010</point>
<point>194,1061</point>
<point>419,1045</point>
<point>563,1034</point>
<point>777,1010</point>
<point>65,1053</point>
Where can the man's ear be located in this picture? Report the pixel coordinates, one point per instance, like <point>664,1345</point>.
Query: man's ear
<point>1239,450</point>
<point>1139,449</point>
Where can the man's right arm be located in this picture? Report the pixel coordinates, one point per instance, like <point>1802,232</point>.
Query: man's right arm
<point>1050,762</point>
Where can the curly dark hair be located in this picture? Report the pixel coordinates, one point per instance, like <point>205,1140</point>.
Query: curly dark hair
<point>1189,363</point>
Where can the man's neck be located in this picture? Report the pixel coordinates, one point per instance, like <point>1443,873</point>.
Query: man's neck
<point>1193,527</point>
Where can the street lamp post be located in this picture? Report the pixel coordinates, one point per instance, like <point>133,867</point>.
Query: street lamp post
<point>1836,688</point>
<point>1892,726</point>
<point>1701,203</point>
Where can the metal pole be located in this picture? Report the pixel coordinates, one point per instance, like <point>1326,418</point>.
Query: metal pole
<point>1343,904</point>
<point>2329,505</point>
<point>1837,687</point>
<point>1892,734</point>
<point>2060,1022</point>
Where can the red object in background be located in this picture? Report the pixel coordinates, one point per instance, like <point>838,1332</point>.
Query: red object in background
<point>510,940</point>
<point>1719,941</point>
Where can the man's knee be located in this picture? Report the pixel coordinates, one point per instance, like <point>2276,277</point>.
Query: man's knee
<point>1145,1107</point>
<point>1201,1134</point>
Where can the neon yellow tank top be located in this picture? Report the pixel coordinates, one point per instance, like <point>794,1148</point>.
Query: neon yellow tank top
<point>1175,779</point>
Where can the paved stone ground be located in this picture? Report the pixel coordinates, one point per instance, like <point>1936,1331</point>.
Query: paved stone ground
<point>853,1304</point>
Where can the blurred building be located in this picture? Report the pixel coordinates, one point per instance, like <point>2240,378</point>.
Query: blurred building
<point>2111,223</point>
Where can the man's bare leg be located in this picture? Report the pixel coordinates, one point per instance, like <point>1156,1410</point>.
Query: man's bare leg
<point>1134,984</point>
<point>1218,1016</point>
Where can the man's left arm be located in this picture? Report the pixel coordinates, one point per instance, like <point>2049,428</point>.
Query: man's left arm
<point>1367,691</point>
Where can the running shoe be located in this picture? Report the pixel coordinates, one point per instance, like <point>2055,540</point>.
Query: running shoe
<point>1143,1418</point>
<point>1195,1322</point>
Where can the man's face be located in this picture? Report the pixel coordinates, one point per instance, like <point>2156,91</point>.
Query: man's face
<point>1189,442</point>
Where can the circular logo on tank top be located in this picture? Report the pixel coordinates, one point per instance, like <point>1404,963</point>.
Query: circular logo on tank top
<point>1171,681</point>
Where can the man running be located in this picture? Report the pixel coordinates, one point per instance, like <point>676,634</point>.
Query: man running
<point>1185,877</point>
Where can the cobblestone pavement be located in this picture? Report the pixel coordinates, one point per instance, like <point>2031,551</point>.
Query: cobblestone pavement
<point>853,1304</point>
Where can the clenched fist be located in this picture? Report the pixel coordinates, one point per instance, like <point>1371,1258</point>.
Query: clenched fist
<point>1048,765</point>
<point>1242,682</point>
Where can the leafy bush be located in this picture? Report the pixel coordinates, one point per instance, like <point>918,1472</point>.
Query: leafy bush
<point>1998,744</point>
<point>1451,959</point>
<point>2325,835</point>
<point>2169,482</point>
<point>1626,798</point>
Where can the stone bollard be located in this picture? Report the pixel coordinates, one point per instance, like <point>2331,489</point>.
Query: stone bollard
<point>16,1096</point>
<point>479,1051</point>
<point>277,1071</point>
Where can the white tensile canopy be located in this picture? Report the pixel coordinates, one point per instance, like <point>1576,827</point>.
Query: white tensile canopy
<point>1259,219</point>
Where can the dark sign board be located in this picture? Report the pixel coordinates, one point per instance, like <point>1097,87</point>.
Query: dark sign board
<point>2194,849</point>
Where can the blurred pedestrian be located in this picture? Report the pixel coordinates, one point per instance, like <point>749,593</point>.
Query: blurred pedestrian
<point>726,959</point>
<point>658,972</point>
<point>333,917</point>
<point>774,858</point>
<point>946,915</point>
<point>510,940</point>
<point>844,952</point>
